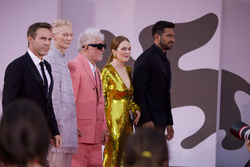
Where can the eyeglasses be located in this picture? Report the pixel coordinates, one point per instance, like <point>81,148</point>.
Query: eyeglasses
<point>99,46</point>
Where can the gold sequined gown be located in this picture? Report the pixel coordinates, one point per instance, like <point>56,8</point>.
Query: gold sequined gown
<point>117,105</point>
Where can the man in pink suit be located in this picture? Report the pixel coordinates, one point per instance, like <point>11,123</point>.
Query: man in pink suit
<point>87,86</point>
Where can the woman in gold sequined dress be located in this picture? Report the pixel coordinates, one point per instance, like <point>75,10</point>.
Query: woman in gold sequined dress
<point>118,91</point>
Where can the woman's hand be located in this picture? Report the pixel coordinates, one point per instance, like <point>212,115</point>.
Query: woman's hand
<point>248,145</point>
<point>138,115</point>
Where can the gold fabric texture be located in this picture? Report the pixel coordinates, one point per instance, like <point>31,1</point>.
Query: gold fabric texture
<point>117,106</point>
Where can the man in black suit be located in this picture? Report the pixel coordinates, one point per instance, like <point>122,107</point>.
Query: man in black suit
<point>152,80</point>
<point>30,76</point>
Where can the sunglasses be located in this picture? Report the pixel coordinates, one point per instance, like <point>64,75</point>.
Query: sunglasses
<point>99,46</point>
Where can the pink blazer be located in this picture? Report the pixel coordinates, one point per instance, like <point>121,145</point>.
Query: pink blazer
<point>89,100</point>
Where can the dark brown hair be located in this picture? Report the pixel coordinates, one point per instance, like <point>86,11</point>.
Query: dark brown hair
<point>24,133</point>
<point>159,27</point>
<point>34,27</point>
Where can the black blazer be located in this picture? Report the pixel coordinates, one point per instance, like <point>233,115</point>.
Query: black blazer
<point>22,79</point>
<point>152,80</point>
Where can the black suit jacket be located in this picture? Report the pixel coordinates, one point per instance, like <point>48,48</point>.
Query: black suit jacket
<point>22,79</point>
<point>152,80</point>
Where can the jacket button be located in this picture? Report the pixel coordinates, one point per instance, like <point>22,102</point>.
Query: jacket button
<point>97,119</point>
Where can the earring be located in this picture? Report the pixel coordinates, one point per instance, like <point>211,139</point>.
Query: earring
<point>114,56</point>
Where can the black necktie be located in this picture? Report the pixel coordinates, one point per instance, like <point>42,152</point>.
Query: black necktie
<point>44,78</point>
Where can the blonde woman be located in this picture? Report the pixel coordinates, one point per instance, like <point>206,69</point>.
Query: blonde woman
<point>63,95</point>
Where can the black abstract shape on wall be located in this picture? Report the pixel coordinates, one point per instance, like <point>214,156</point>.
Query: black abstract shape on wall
<point>107,40</point>
<point>230,84</point>
<point>197,87</point>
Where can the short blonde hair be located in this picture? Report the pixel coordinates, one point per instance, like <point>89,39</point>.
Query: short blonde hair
<point>58,23</point>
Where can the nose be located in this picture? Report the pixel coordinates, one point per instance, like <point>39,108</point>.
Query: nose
<point>48,42</point>
<point>69,37</point>
<point>173,39</point>
<point>127,51</point>
<point>103,49</point>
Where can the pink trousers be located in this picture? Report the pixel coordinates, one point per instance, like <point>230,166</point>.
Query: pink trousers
<point>89,155</point>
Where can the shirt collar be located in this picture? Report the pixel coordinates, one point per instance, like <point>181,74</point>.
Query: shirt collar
<point>93,67</point>
<point>163,54</point>
<point>35,59</point>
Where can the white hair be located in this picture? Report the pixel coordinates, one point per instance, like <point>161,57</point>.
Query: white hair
<point>88,36</point>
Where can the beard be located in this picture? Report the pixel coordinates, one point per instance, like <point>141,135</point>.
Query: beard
<point>165,45</point>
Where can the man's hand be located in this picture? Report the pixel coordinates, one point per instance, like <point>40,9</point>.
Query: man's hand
<point>248,145</point>
<point>170,132</point>
<point>79,134</point>
<point>56,141</point>
<point>149,124</point>
<point>105,137</point>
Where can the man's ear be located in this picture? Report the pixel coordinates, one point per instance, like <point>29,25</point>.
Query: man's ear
<point>157,37</point>
<point>86,47</point>
<point>30,39</point>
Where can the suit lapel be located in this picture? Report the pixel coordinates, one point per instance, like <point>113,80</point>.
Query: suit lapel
<point>167,72</point>
<point>29,62</point>
<point>160,62</point>
<point>87,68</point>
<point>98,82</point>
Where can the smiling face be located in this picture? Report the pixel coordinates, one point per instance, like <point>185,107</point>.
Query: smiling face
<point>166,40</point>
<point>40,45</point>
<point>123,51</point>
<point>63,37</point>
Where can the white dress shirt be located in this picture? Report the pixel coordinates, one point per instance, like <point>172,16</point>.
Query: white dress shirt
<point>36,61</point>
<point>93,67</point>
